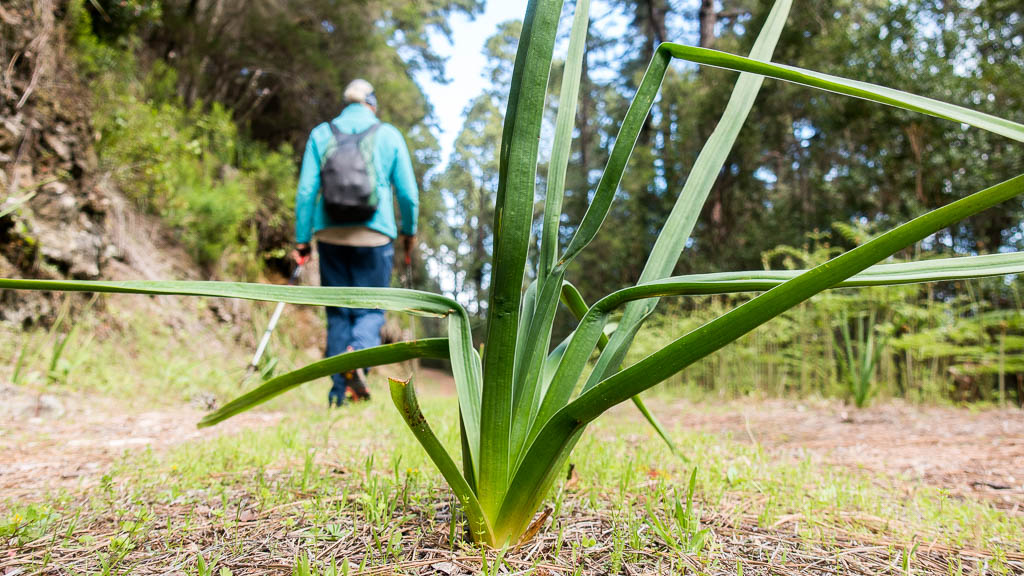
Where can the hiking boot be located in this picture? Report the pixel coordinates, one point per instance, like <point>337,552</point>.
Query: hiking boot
<point>357,385</point>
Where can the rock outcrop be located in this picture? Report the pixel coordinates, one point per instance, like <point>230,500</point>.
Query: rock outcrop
<point>55,205</point>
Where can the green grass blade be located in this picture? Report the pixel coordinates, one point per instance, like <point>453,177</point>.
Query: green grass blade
<point>683,217</point>
<point>564,122</point>
<point>404,396</point>
<point>376,356</point>
<point>855,88</point>
<point>14,203</point>
<point>513,216</point>
<point>558,435</point>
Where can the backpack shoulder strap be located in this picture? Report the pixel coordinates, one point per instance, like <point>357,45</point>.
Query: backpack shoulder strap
<point>334,130</point>
<point>369,132</point>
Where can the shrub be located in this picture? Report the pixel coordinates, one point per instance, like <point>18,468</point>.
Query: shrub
<point>189,165</point>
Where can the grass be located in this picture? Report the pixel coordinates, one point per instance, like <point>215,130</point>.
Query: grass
<point>144,356</point>
<point>324,489</point>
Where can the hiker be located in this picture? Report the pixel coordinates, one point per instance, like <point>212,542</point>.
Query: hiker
<point>344,202</point>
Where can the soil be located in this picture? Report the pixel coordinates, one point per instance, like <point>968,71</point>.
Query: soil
<point>964,451</point>
<point>48,444</point>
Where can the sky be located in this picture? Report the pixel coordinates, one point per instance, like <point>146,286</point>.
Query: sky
<point>465,65</point>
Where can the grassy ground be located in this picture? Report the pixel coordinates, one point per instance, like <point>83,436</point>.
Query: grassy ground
<point>351,491</point>
<point>294,489</point>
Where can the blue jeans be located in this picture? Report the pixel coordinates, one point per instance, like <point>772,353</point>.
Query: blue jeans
<point>353,266</point>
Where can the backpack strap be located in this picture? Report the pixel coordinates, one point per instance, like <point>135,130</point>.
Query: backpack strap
<point>334,130</point>
<point>369,132</point>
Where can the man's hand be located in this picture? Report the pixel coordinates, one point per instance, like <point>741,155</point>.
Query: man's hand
<point>301,253</point>
<point>408,245</point>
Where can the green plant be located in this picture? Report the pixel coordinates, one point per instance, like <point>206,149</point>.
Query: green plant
<point>187,164</point>
<point>12,204</point>
<point>860,356</point>
<point>682,532</point>
<point>521,408</point>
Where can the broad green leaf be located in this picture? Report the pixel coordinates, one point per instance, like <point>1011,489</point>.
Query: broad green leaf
<point>681,220</point>
<point>396,299</point>
<point>625,141</point>
<point>561,431</point>
<point>573,300</point>
<point>468,382</point>
<point>937,270</point>
<point>513,217</point>
<point>551,363</point>
<point>590,332</point>
<point>564,122</point>
<point>535,342</point>
<point>529,307</point>
<point>465,363</point>
<point>376,356</point>
<point>855,88</point>
<point>759,310</point>
<point>683,217</point>
<point>404,396</point>
<point>658,428</point>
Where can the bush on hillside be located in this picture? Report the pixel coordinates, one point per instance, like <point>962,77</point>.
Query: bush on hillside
<point>189,165</point>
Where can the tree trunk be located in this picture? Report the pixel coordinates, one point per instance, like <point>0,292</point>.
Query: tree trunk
<point>708,17</point>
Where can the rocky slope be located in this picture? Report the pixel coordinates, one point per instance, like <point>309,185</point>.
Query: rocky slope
<point>57,221</point>
<point>61,215</point>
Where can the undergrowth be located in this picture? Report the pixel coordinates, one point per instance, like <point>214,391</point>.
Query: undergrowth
<point>132,353</point>
<point>948,342</point>
<point>218,190</point>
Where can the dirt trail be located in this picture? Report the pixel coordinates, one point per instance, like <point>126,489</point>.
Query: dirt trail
<point>961,450</point>
<point>967,452</point>
<point>70,444</point>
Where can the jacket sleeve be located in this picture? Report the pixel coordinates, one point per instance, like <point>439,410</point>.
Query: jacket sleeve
<point>404,180</point>
<point>305,196</point>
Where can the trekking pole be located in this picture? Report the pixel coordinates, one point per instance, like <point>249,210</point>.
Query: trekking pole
<point>412,319</point>
<point>254,365</point>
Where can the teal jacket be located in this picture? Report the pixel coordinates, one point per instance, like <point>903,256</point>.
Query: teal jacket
<point>391,162</point>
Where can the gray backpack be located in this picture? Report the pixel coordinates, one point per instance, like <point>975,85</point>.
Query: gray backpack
<point>348,180</point>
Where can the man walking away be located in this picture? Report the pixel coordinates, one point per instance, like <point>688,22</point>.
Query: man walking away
<point>345,202</point>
